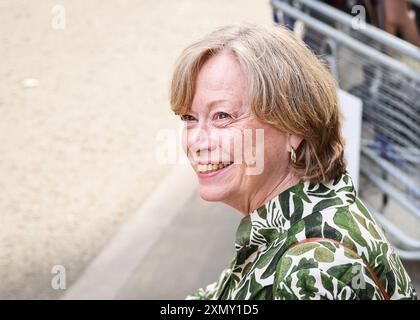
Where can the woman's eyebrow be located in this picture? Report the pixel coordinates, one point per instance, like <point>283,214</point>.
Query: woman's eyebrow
<point>214,103</point>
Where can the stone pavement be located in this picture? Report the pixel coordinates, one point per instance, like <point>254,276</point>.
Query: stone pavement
<point>189,254</point>
<point>81,107</point>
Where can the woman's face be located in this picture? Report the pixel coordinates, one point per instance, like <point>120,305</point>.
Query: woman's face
<point>230,168</point>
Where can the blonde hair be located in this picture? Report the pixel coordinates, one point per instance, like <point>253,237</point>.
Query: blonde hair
<point>287,85</point>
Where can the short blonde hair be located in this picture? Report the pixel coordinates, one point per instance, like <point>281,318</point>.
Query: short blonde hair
<point>287,85</point>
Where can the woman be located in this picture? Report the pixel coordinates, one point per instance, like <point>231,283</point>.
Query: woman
<point>305,233</point>
<point>400,20</point>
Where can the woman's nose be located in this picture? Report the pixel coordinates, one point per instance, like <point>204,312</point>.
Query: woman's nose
<point>200,142</point>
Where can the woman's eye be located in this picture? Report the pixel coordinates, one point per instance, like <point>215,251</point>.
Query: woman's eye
<point>187,117</point>
<point>222,115</point>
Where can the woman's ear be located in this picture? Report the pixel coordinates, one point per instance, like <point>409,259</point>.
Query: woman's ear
<point>293,141</point>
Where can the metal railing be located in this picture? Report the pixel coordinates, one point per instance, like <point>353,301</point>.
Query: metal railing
<point>384,71</point>
<point>380,36</point>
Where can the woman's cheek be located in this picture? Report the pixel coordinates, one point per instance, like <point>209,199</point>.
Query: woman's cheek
<point>232,145</point>
<point>185,140</point>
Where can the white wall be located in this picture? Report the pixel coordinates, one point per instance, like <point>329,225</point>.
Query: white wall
<point>351,108</point>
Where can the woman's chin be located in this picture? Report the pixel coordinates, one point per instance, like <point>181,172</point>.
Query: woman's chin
<point>209,193</point>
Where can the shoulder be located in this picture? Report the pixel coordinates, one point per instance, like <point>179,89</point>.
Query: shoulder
<point>323,270</point>
<point>365,263</point>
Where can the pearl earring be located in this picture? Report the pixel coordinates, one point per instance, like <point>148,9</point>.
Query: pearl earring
<point>293,155</point>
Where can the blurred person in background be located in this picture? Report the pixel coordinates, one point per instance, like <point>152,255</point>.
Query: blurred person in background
<point>398,17</point>
<point>305,233</point>
<point>348,5</point>
<point>400,20</point>
<point>343,5</point>
<point>282,19</point>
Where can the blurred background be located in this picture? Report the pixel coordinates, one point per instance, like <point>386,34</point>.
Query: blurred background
<point>86,210</point>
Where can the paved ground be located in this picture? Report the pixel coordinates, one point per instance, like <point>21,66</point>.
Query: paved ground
<point>188,255</point>
<point>77,143</point>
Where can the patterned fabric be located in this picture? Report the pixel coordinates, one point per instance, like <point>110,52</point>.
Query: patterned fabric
<point>272,263</point>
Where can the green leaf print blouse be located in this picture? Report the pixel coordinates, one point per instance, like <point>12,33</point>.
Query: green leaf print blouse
<point>312,241</point>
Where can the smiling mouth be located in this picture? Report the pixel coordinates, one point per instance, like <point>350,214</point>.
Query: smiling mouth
<point>212,167</point>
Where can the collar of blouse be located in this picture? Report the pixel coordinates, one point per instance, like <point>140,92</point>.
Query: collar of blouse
<point>270,221</point>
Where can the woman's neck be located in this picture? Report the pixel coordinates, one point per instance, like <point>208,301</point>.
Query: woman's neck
<point>288,181</point>
<point>263,195</point>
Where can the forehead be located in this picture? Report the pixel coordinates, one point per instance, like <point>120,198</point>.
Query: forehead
<point>220,77</point>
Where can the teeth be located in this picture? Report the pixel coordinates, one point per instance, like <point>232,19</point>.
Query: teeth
<point>211,167</point>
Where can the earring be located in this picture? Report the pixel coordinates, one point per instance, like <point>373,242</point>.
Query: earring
<point>293,155</point>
